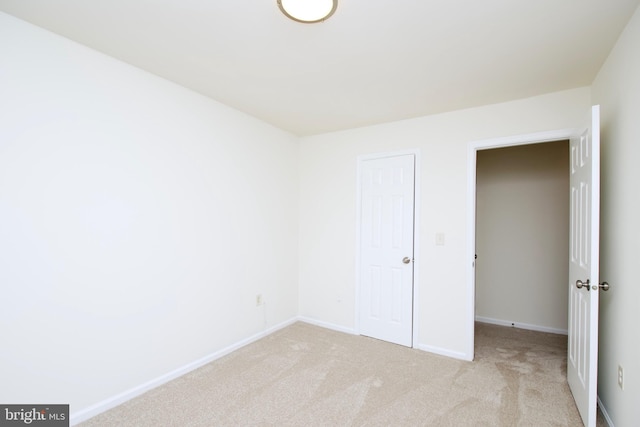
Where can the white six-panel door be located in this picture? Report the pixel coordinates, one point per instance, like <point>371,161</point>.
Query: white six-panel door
<point>386,248</point>
<point>583,268</point>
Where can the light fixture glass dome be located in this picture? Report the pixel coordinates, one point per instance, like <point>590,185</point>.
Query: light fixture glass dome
<point>308,11</point>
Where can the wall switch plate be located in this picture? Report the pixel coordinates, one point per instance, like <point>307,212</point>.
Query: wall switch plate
<point>439,239</point>
<point>259,300</point>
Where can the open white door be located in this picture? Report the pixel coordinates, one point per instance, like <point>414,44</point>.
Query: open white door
<point>386,248</point>
<point>582,366</point>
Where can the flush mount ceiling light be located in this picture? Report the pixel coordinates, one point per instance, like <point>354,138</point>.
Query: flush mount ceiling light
<point>308,11</point>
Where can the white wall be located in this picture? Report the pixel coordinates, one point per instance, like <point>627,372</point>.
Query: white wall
<point>328,208</point>
<point>617,90</point>
<point>522,236</point>
<point>138,221</point>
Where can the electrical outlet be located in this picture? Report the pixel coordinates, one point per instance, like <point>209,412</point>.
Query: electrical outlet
<point>620,377</point>
<point>259,300</point>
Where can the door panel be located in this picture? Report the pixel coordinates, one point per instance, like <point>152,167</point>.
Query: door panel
<point>386,237</point>
<point>584,257</point>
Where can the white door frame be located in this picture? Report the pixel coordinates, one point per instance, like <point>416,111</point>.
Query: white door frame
<point>416,246</point>
<point>472,150</point>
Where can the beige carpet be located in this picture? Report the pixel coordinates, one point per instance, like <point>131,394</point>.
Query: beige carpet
<point>304,375</point>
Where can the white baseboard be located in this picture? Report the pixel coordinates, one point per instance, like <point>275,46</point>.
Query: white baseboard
<point>521,325</point>
<point>607,418</point>
<point>112,402</point>
<point>444,352</point>
<point>327,325</point>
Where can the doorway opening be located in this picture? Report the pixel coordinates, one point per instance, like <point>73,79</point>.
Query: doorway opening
<point>472,157</point>
<point>522,229</point>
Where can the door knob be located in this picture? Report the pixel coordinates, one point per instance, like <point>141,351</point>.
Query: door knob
<point>406,260</point>
<point>580,284</point>
<point>604,286</point>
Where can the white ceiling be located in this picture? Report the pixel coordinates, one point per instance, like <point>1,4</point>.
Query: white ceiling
<point>373,61</point>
